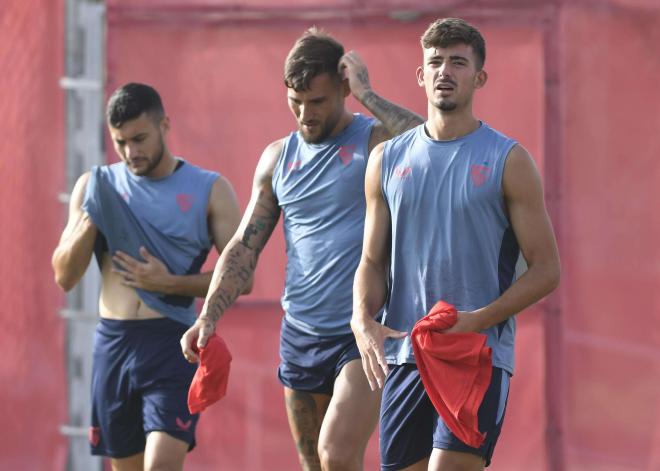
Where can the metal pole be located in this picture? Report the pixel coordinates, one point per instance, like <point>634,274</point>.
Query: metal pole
<point>84,43</point>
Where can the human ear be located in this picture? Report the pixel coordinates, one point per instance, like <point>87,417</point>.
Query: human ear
<point>165,124</point>
<point>420,76</point>
<point>480,79</point>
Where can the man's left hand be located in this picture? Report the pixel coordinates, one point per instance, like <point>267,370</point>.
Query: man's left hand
<point>353,68</point>
<point>149,275</point>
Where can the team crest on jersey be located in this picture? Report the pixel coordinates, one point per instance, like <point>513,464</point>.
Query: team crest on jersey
<point>295,165</point>
<point>479,174</point>
<point>402,171</point>
<point>185,201</point>
<point>346,153</point>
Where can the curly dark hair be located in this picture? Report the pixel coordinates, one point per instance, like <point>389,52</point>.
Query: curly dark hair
<point>447,32</point>
<point>314,53</point>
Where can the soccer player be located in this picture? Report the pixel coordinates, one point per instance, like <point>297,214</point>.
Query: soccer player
<point>450,205</point>
<point>315,178</point>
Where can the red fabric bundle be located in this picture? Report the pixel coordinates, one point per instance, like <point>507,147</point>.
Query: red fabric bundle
<point>210,382</point>
<point>455,370</point>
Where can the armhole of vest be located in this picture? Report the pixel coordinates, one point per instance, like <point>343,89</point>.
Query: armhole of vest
<point>89,187</point>
<point>502,163</point>
<point>370,128</point>
<point>212,177</point>
<point>386,148</point>
<point>91,181</point>
<point>280,162</point>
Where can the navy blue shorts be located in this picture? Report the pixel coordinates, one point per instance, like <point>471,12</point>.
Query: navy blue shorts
<point>140,384</point>
<point>310,362</point>
<point>410,427</point>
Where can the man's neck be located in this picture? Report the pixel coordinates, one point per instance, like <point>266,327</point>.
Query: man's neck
<point>165,168</point>
<point>449,125</point>
<point>345,120</point>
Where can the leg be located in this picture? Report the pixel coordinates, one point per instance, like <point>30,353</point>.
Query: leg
<point>117,428</point>
<point>305,412</point>
<point>132,463</point>
<point>421,465</point>
<point>407,420</point>
<point>168,425</point>
<point>451,454</point>
<point>446,460</point>
<point>349,421</point>
<point>164,452</point>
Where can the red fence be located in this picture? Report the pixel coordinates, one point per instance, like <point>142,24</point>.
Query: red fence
<point>32,395</point>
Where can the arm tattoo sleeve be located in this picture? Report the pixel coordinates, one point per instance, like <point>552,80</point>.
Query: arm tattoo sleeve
<point>239,260</point>
<point>395,118</point>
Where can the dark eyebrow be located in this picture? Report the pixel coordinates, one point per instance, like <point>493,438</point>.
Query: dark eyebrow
<point>318,99</point>
<point>132,138</point>
<point>455,57</point>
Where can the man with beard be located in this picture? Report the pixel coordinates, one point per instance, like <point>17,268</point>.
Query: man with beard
<point>151,220</point>
<point>450,205</point>
<point>315,177</point>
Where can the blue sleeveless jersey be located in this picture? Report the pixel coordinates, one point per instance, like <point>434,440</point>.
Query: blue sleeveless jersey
<point>451,238</point>
<point>168,216</point>
<point>320,188</point>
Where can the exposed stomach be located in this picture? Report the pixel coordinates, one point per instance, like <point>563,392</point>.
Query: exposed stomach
<point>118,301</point>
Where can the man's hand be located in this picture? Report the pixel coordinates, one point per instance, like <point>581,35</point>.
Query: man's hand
<point>353,68</point>
<point>370,337</point>
<point>150,275</point>
<point>466,322</point>
<point>199,333</point>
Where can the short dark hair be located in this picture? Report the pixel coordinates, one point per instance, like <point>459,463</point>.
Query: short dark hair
<point>130,101</point>
<point>447,32</point>
<point>314,53</point>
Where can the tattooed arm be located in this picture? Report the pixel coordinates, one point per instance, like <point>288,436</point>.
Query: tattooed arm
<point>393,119</point>
<point>235,267</point>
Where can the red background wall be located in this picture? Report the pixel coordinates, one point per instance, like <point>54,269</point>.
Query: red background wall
<point>32,381</point>
<point>574,82</point>
<point>611,226</point>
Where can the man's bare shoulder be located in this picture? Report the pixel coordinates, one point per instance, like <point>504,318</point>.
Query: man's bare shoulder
<point>372,177</point>
<point>79,189</point>
<point>376,155</point>
<point>221,185</point>
<point>519,165</point>
<point>222,193</point>
<point>268,160</point>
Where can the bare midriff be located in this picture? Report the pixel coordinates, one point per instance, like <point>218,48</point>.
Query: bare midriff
<point>118,301</point>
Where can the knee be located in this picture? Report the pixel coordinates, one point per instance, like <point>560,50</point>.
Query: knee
<point>337,457</point>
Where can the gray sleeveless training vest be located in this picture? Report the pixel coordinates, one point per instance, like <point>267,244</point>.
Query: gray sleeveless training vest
<point>451,238</point>
<point>320,188</point>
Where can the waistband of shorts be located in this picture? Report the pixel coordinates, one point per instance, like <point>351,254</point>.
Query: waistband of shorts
<point>153,325</point>
<point>289,323</point>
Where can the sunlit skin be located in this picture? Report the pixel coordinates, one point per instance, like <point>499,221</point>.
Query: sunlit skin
<point>450,77</point>
<point>320,111</point>
<point>140,144</point>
